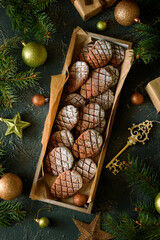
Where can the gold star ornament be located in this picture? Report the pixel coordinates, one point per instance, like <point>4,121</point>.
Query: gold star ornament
<point>15,125</point>
<point>92,231</point>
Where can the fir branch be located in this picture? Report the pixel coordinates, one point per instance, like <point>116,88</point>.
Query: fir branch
<point>1,170</point>
<point>147,215</point>
<point>30,18</point>
<point>7,97</point>
<point>145,224</point>
<point>10,213</point>
<point>10,77</point>
<point>148,46</point>
<point>154,234</point>
<point>45,32</point>
<point>145,178</point>
<point>22,79</point>
<point>123,229</point>
<point>10,43</point>
<point>1,155</point>
<point>41,4</point>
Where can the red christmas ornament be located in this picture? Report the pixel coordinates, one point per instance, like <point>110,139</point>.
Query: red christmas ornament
<point>137,20</point>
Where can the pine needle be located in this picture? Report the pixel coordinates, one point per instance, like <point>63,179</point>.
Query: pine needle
<point>143,177</point>
<point>29,17</point>
<point>148,34</point>
<point>10,212</point>
<point>144,223</point>
<point>10,76</point>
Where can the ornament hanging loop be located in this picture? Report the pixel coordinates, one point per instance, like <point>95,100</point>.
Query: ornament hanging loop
<point>36,217</point>
<point>23,43</point>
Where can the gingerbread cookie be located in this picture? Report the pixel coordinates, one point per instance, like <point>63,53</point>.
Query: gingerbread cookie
<point>115,73</point>
<point>100,54</point>
<point>83,55</point>
<point>60,139</point>
<point>99,82</point>
<point>58,160</point>
<point>87,168</point>
<point>66,184</point>
<point>87,144</point>
<point>90,116</point>
<point>67,118</point>
<point>75,99</point>
<point>105,100</point>
<point>78,74</point>
<point>101,126</point>
<point>118,55</point>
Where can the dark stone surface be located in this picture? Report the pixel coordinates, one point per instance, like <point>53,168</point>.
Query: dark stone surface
<point>113,194</point>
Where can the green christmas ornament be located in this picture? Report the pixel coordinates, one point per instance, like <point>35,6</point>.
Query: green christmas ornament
<point>101,25</point>
<point>43,222</point>
<point>15,125</point>
<point>157,202</point>
<point>34,54</point>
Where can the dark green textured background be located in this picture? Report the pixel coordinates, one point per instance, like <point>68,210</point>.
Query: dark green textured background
<point>113,194</point>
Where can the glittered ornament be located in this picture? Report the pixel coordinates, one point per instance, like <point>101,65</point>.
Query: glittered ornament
<point>39,100</point>
<point>15,125</point>
<point>137,98</point>
<point>157,202</point>
<point>10,186</point>
<point>80,199</point>
<point>126,11</point>
<point>92,231</point>
<point>34,54</point>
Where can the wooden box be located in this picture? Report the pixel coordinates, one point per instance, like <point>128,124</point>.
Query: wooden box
<point>42,182</point>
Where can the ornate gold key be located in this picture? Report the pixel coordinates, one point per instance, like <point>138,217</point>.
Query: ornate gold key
<point>139,133</point>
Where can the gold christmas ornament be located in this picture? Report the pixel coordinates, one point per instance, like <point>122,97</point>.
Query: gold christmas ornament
<point>139,133</point>
<point>126,11</point>
<point>10,186</point>
<point>15,125</point>
<point>92,231</point>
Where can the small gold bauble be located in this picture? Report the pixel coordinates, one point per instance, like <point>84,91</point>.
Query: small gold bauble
<point>10,186</point>
<point>126,11</point>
